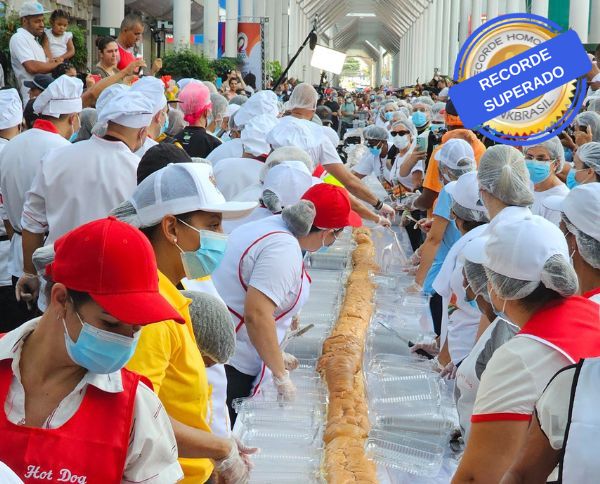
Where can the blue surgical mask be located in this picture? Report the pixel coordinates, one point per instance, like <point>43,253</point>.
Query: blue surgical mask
<point>389,115</point>
<point>538,170</point>
<point>100,351</point>
<point>501,314</point>
<point>568,154</point>
<point>165,125</point>
<point>571,180</point>
<point>419,118</point>
<point>73,136</point>
<point>436,126</point>
<point>203,262</point>
<point>375,151</point>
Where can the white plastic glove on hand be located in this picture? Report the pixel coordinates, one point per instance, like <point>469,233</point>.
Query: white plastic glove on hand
<point>286,390</point>
<point>27,289</point>
<point>383,221</point>
<point>449,371</point>
<point>246,452</point>
<point>233,469</point>
<point>387,211</point>
<point>430,347</point>
<point>414,288</point>
<point>290,361</point>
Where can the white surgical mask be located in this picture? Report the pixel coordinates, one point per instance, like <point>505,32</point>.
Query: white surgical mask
<point>401,142</point>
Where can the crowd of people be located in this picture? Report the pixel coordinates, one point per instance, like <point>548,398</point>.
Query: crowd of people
<point>151,262</point>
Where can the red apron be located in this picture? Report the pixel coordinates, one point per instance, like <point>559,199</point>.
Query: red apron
<point>240,317</point>
<point>580,338</point>
<point>91,447</point>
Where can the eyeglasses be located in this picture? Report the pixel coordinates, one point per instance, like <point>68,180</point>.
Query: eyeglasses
<point>537,158</point>
<point>399,133</point>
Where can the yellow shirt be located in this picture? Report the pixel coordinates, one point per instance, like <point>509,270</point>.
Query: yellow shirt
<point>167,354</point>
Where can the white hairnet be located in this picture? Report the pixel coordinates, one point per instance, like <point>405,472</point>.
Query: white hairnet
<point>408,124</point>
<point>374,132</point>
<point>299,218</point>
<point>589,154</point>
<point>503,173</point>
<point>591,119</point>
<point>263,102</point>
<point>211,87</point>
<point>594,104</point>
<point>424,100</point>
<point>238,99</point>
<point>219,105</point>
<point>588,247</point>
<point>406,111</point>
<point>558,275</point>
<point>436,111</point>
<point>212,325</point>
<point>476,277</point>
<point>555,150</point>
<point>304,96</point>
<point>469,214</point>
<point>283,154</point>
<point>87,120</point>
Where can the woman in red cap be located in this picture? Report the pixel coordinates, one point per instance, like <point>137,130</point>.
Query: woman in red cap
<point>264,284</point>
<point>71,412</point>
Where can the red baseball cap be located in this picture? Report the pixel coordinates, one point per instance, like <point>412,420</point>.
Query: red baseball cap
<point>332,205</point>
<point>114,263</point>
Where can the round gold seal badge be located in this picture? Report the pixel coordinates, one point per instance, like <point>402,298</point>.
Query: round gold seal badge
<point>521,79</point>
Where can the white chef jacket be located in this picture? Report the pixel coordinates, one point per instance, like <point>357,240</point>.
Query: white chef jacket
<point>538,207</point>
<point>235,174</point>
<point>77,184</point>
<point>24,47</point>
<point>19,163</point>
<point>508,214</point>
<point>229,149</point>
<point>149,143</point>
<point>152,452</point>
<point>273,266</point>
<point>323,151</point>
<point>5,278</point>
<point>218,415</point>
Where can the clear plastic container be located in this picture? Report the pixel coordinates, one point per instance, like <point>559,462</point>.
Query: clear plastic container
<point>407,454</point>
<point>411,409</point>
<point>308,345</point>
<point>252,411</point>
<point>405,388</point>
<point>336,261</point>
<point>283,440</point>
<point>436,426</point>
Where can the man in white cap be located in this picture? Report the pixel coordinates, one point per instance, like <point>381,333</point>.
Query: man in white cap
<point>84,181</point>
<point>58,108</point>
<point>26,53</point>
<point>303,105</point>
<point>154,89</point>
<point>235,174</point>
<point>11,116</point>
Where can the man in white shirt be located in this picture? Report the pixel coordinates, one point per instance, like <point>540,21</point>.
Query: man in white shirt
<point>58,106</point>
<point>26,53</point>
<point>84,181</point>
<point>11,116</point>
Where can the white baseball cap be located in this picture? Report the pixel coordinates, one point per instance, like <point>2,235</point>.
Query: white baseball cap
<point>465,192</point>
<point>474,250</point>
<point>289,181</point>
<point>11,108</point>
<point>453,151</point>
<point>63,96</point>
<point>581,206</point>
<point>181,188</point>
<point>29,9</point>
<point>519,249</point>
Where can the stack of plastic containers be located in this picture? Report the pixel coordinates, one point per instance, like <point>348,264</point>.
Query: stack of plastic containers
<point>410,413</point>
<point>290,435</point>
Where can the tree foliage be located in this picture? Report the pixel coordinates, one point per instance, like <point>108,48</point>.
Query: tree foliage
<point>184,63</point>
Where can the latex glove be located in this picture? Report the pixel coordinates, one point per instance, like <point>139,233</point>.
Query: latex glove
<point>436,365</point>
<point>415,259</point>
<point>232,469</point>
<point>449,371</point>
<point>425,224</point>
<point>290,361</point>
<point>414,288</point>
<point>387,211</point>
<point>383,221</point>
<point>286,390</point>
<point>430,347</point>
<point>27,289</point>
<point>246,452</point>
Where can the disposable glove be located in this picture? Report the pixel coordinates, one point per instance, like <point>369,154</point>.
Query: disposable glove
<point>286,390</point>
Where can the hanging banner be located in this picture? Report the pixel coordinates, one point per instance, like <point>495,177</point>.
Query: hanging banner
<point>250,48</point>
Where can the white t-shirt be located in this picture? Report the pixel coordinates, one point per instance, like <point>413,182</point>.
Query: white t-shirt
<point>538,207</point>
<point>470,370</point>
<point>24,47</point>
<point>515,378</point>
<point>229,149</point>
<point>58,45</point>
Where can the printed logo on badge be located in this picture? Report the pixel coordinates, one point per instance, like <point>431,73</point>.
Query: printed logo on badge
<point>521,79</point>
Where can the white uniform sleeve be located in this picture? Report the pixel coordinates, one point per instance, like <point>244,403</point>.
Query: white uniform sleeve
<point>276,273</point>
<point>552,409</point>
<point>34,217</point>
<point>329,155</point>
<point>507,390</point>
<point>20,49</point>
<point>152,453</point>
<point>365,165</point>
